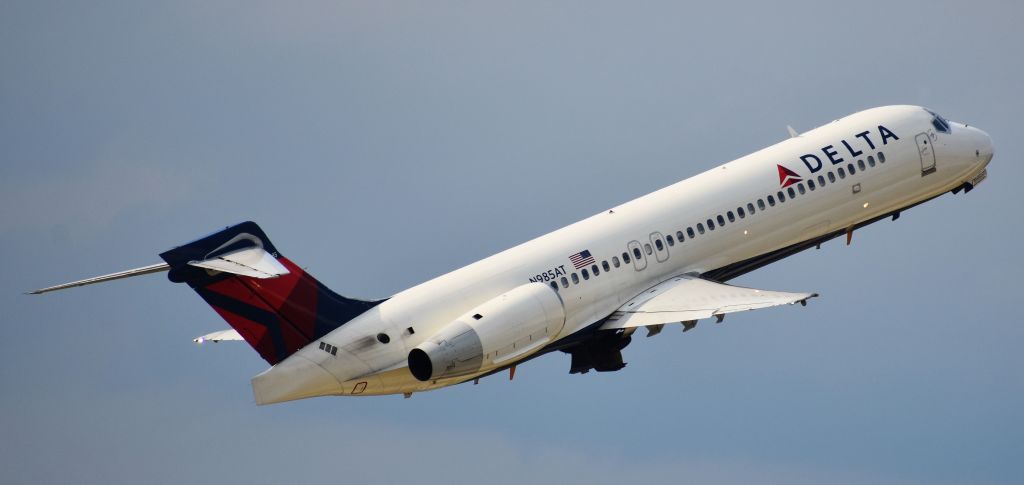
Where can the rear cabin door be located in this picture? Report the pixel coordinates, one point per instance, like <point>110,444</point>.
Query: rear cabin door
<point>660,249</point>
<point>927,153</point>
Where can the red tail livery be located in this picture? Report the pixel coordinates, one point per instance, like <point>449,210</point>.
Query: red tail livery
<point>276,316</point>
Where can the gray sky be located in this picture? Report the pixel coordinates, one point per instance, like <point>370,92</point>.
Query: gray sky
<point>381,144</point>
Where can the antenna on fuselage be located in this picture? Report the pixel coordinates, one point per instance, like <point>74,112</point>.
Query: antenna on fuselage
<point>792,132</point>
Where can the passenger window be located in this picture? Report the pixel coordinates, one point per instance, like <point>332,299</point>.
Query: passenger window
<point>625,258</point>
<point>841,173</point>
<point>565,282</point>
<point>659,245</point>
<point>593,269</point>
<point>881,157</point>
<point>636,253</point>
<point>554,286</point>
<point>760,204</point>
<point>585,273</point>
<point>800,187</point>
<point>792,193</point>
<point>740,212</point>
<point>871,160</point>
<point>615,261</point>
<point>821,180</point>
<point>689,232</point>
<point>750,208</point>
<point>575,279</point>
<point>810,184</point>
<point>851,169</point>
<point>711,224</point>
<point>604,264</point>
<point>782,197</point>
<point>647,249</point>
<point>671,241</point>
<point>721,220</point>
<point>832,177</point>
<point>679,236</point>
<point>860,163</point>
<point>731,217</point>
<point>771,201</point>
<point>700,228</point>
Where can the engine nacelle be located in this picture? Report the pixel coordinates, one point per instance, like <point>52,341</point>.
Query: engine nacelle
<point>503,329</point>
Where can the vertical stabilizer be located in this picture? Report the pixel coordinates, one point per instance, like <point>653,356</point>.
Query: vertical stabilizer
<point>273,304</point>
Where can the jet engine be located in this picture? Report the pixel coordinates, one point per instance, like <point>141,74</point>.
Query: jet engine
<point>503,329</point>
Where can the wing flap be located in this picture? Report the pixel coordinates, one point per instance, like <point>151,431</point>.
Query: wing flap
<point>686,298</point>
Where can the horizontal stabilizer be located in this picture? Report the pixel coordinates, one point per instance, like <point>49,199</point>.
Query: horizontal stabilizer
<point>254,262</point>
<point>229,334</point>
<point>153,268</point>
<point>687,298</point>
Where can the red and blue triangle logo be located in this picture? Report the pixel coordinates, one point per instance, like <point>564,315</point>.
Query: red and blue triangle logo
<point>788,177</point>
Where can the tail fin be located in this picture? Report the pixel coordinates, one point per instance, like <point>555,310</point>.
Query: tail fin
<point>273,304</point>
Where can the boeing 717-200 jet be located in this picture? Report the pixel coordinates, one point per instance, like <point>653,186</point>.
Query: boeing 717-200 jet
<point>663,258</point>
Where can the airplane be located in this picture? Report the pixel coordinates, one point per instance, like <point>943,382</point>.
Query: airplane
<point>660,259</point>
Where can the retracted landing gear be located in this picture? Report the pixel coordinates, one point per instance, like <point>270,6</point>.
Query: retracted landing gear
<point>602,353</point>
<point>966,187</point>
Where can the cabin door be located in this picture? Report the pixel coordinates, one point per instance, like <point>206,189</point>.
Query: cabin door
<point>927,153</point>
<point>636,252</point>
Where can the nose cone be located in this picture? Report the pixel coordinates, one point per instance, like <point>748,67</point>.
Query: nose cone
<point>985,149</point>
<point>972,146</point>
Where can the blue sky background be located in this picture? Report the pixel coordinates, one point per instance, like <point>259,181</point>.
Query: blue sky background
<point>381,144</point>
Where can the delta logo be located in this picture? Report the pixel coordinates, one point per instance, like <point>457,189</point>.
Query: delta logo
<point>788,177</point>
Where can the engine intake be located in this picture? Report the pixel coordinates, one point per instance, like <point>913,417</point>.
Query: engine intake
<point>456,349</point>
<point>505,328</point>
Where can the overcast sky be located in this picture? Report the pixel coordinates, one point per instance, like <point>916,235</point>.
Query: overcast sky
<point>380,144</point>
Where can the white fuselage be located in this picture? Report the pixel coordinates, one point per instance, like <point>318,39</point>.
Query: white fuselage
<point>903,136</point>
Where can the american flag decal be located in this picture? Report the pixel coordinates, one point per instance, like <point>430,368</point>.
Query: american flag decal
<point>582,259</point>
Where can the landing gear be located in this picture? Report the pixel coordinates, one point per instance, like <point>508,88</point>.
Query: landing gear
<point>602,353</point>
<point>966,187</point>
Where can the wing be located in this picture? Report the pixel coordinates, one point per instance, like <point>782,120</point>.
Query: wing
<point>688,298</point>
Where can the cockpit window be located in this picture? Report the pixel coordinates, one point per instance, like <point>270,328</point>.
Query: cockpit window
<point>939,122</point>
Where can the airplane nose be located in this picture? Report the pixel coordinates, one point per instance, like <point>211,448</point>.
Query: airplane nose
<point>985,151</point>
<point>977,143</point>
